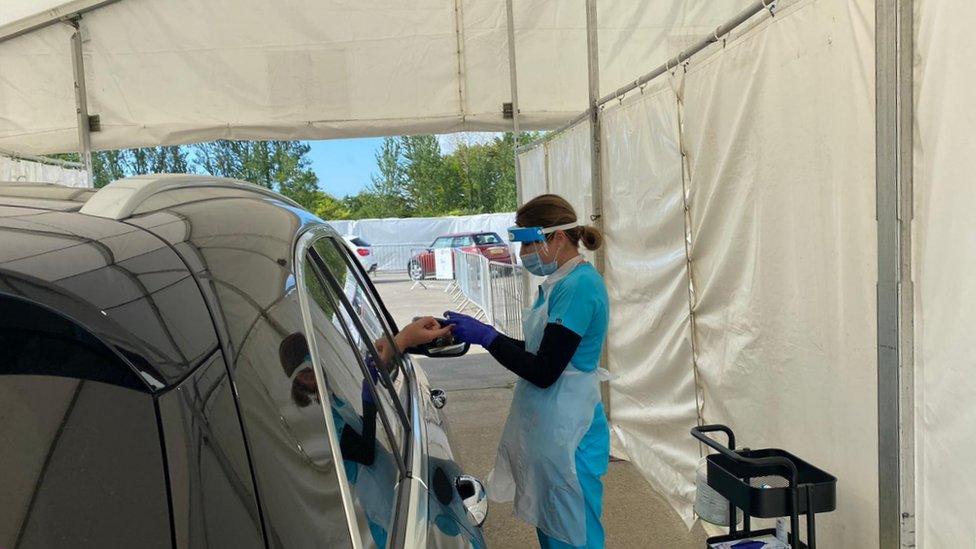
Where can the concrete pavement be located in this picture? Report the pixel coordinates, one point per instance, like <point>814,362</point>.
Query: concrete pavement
<point>479,392</point>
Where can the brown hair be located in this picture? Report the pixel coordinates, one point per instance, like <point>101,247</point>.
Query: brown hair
<point>549,210</point>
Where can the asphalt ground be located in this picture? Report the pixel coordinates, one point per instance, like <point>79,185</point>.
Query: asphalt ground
<point>479,392</point>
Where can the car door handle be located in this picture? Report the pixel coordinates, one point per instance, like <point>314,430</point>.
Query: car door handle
<point>474,498</point>
<point>438,398</point>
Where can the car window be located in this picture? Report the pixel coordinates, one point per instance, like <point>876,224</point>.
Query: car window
<point>463,241</point>
<point>442,242</point>
<point>489,238</point>
<point>366,325</point>
<point>360,242</point>
<point>359,292</point>
<point>366,428</point>
<point>81,457</point>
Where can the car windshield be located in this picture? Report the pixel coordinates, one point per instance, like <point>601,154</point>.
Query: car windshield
<point>359,242</point>
<point>442,242</point>
<point>489,238</point>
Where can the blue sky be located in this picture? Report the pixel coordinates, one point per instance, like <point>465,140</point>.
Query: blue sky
<point>344,166</point>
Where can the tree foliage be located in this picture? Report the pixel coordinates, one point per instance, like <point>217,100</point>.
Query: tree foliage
<point>413,177</point>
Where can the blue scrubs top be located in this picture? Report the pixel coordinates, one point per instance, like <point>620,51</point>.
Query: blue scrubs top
<point>579,302</point>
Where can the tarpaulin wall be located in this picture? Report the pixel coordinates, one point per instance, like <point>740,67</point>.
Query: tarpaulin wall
<point>17,170</point>
<point>944,247</point>
<point>653,402</point>
<point>532,172</point>
<point>423,229</point>
<point>775,322</point>
<point>779,130</point>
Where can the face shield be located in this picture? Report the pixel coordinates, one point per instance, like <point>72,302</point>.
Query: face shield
<point>536,235</point>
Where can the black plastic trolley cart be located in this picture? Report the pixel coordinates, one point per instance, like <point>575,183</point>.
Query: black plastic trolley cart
<point>766,483</point>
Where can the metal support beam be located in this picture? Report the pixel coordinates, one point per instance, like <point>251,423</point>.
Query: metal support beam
<point>51,16</point>
<point>893,112</point>
<point>41,159</point>
<point>596,166</point>
<point>81,101</point>
<point>513,85</point>
<point>596,162</point>
<point>462,78</point>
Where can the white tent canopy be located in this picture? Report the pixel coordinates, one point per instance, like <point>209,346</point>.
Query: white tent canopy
<point>799,192</point>
<point>185,71</point>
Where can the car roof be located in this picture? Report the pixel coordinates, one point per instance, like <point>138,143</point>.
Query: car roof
<point>105,260</point>
<point>44,196</point>
<point>478,233</point>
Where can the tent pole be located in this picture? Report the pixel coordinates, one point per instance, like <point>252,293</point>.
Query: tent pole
<point>41,159</point>
<point>894,164</point>
<point>81,101</point>
<point>524,283</point>
<point>513,85</point>
<point>596,164</point>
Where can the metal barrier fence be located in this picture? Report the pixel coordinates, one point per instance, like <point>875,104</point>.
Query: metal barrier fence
<point>506,297</point>
<point>470,274</point>
<point>493,289</point>
<point>396,257</point>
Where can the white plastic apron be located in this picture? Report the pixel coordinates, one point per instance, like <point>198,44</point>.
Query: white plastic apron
<point>536,462</point>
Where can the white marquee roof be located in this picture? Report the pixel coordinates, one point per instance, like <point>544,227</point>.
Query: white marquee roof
<point>180,71</point>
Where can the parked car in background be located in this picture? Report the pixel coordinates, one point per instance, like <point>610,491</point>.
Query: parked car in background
<point>488,244</point>
<point>189,361</point>
<point>363,251</point>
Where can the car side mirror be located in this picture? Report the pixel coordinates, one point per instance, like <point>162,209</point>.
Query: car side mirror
<point>474,497</point>
<point>441,349</point>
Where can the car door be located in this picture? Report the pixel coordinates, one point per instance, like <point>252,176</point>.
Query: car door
<point>448,524</point>
<point>334,279</point>
<point>364,385</point>
<point>81,459</point>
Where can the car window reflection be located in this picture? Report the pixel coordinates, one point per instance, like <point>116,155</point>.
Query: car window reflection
<point>360,415</point>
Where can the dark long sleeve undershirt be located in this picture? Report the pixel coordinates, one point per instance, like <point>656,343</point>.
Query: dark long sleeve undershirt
<point>542,369</point>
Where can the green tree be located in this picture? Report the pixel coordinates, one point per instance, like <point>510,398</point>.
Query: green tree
<point>279,165</point>
<point>168,159</point>
<point>431,185</point>
<point>387,195</point>
<point>107,166</point>
<point>330,208</point>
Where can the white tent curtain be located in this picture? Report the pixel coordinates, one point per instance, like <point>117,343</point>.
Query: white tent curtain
<point>532,172</point>
<point>183,71</point>
<point>18,170</point>
<point>569,161</point>
<point>652,398</point>
<point>777,130</point>
<point>944,246</point>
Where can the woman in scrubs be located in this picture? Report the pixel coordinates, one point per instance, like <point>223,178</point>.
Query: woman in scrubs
<point>556,444</point>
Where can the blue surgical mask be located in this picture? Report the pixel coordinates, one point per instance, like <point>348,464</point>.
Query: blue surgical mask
<point>534,264</point>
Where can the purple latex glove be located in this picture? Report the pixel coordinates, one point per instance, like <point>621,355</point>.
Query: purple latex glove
<point>469,330</point>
